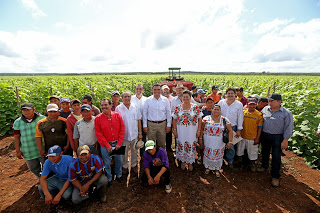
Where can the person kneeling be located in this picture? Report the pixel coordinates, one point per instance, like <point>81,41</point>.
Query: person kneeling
<point>156,165</point>
<point>86,171</point>
<point>58,164</point>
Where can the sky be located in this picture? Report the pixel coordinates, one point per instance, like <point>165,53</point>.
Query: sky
<point>84,36</point>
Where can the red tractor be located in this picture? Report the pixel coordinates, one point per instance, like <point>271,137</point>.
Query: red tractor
<point>173,80</point>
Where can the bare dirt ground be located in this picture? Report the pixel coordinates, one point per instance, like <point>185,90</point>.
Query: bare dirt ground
<point>240,191</point>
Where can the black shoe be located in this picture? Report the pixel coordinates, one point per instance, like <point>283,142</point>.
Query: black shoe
<point>119,179</point>
<point>109,183</point>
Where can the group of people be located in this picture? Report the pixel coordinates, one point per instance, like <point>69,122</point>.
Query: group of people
<point>78,141</point>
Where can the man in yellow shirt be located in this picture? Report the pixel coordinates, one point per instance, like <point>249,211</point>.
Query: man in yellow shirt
<point>252,128</point>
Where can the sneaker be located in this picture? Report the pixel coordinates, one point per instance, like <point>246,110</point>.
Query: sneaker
<point>109,183</point>
<point>119,179</point>
<point>207,171</point>
<point>275,182</point>
<point>168,188</point>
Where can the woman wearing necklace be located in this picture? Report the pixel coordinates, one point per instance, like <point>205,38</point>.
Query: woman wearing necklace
<point>186,129</point>
<point>212,131</point>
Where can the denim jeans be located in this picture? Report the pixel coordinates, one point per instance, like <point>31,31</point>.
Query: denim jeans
<point>77,198</point>
<point>35,165</point>
<point>55,184</point>
<point>107,161</point>
<point>269,141</point>
<point>230,153</point>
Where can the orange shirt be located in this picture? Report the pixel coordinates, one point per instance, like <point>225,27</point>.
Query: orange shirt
<point>216,98</point>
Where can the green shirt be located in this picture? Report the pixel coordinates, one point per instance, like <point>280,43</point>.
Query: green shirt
<point>28,145</point>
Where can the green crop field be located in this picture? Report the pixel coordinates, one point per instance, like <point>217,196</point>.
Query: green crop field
<point>301,95</point>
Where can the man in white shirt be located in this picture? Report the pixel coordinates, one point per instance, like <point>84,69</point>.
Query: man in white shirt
<point>131,117</point>
<point>157,117</point>
<point>233,110</point>
<point>138,100</point>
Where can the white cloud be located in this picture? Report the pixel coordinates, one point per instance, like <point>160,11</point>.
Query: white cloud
<point>268,27</point>
<point>33,8</point>
<point>63,26</point>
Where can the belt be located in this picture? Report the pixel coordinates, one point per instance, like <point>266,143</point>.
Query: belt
<point>157,122</point>
<point>270,133</point>
<point>113,141</point>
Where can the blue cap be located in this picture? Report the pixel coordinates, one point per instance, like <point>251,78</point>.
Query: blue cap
<point>201,91</point>
<point>54,151</point>
<point>85,106</point>
<point>65,99</point>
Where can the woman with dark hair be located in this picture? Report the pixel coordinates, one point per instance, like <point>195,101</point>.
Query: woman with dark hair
<point>212,130</point>
<point>186,129</point>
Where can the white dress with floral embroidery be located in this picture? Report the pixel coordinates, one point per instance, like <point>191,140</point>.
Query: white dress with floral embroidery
<point>187,126</point>
<point>213,143</point>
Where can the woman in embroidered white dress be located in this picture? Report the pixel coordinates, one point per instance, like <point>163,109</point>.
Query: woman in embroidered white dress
<point>186,129</point>
<point>212,131</point>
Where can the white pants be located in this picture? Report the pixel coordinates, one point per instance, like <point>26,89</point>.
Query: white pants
<point>134,154</point>
<point>251,149</point>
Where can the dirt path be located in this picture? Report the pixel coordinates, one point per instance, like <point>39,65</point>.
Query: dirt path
<point>240,191</point>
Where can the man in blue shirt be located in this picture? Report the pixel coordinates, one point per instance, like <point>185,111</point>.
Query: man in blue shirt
<point>58,185</point>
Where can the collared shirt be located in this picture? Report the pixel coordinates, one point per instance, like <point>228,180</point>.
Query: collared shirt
<point>60,169</point>
<point>84,131</point>
<point>27,131</point>
<point>130,119</point>
<point>139,102</point>
<point>278,122</point>
<point>85,171</point>
<point>234,112</point>
<point>109,129</point>
<point>160,158</point>
<point>156,110</point>
<point>53,132</point>
<point>176,101</point>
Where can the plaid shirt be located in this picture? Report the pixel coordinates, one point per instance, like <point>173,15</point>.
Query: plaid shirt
<point>27,131</point>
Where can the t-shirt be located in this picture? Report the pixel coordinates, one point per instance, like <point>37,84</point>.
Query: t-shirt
<point>60,169</point>
<point>53,132</point>
<point>251,123</point>
<point>216,98</point>
<point>84,131</point>
<point>65,114</point>
<point>27,131</point>
<point>160,158</point>
<point>85,172</point>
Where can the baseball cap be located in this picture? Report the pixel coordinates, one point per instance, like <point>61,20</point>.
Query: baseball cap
<point>201,91</point>
<point>54,151</point>
<point>165,87</point>
<point>83,149</point>
<point>74,101</point>
<point>52,107</point>
<point>149,145</point>
<point>214,87</point>
<point>115,93</point>
<point>85,106</point>
<point>54,96</point>
<point>264,99</point>
<point>209,99</point>
<point>251,101</point>
<point>64,99</point>
<point>27,106</point>
<point>275,96</point>
<point>239,89</point>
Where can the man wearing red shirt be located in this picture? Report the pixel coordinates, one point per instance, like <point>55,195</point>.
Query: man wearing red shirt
<point>109,128</point>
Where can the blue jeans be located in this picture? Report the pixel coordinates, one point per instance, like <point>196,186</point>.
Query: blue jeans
<point>274,141</point>
<point>107,161</point>
<point>55,185</point>
<point>230,153</point>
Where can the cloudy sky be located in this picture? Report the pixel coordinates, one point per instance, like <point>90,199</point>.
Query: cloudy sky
<point>76,36</point>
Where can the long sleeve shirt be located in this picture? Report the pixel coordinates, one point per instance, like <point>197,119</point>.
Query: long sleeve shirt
<point>234,112</point>
<point>139,103</point>
<point>156,110</point>
<point>109,129</point>
<point>278,122</point>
